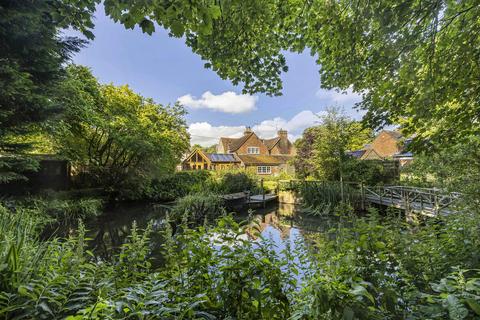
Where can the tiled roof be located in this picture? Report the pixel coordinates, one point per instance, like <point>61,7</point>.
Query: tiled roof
<point>395,134</point>
<point>235,144</point>
<point>284,145</point>
<point>250,159</point>
<point>225,142</point>
<point>270,143</point>
<point>221,157</point>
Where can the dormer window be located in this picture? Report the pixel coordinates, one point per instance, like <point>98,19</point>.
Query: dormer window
<point>253,150</point>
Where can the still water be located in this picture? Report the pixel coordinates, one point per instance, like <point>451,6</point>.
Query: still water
<point>281,224</point>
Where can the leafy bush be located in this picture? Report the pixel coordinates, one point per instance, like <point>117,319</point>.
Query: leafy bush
<point>198,208</point>
<point>69,211</point>
<point>178,184</point>
<point>235,181</point>
<point>370,172</point>
<point>370,268</point>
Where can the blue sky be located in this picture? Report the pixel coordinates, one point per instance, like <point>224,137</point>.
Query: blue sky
<point>166,70</point>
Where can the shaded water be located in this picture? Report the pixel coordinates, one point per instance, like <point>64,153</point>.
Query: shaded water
<point>278,223</point>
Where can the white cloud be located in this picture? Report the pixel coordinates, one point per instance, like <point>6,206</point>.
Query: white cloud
<point>294,126</point>
<point>228,102</point>
<point>205,134</point>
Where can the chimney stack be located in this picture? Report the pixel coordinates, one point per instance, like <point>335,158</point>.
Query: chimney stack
<point>282,133</point>
<point>248,130</point>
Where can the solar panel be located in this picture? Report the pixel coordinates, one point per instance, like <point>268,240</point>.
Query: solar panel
<point>221,157</point>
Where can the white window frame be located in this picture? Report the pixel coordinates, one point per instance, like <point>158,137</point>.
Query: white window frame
<point>253,150</point>
<point>264,170</point>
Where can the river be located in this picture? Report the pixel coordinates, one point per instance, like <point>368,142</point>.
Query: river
<point>278,223</point>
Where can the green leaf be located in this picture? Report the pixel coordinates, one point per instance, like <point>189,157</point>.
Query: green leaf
<point>147,26</point>
<point>348,313</point>
<point>359,290</point>
<point>177,28</point>
<point>474,305</point>
<point>456,309</point>
<point>215,11</point>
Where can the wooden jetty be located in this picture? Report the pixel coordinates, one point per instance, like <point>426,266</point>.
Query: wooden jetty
<point>261,199</point>
<point>234,200</point>
<point>240,199</point>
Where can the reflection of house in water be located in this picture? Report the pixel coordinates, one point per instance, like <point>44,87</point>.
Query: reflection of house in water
<point>261,222</point>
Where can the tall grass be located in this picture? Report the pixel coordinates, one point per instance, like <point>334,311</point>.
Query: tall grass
<point>197,209</point>
<point>323,197</point>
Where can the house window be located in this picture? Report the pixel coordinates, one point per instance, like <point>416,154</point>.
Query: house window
<point>264,169</point>
<point>253,150</point>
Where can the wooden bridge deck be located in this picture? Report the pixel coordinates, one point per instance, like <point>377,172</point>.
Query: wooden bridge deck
<point>426,201</point>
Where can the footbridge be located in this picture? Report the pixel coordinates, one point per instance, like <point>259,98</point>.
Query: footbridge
<point>425,201</point>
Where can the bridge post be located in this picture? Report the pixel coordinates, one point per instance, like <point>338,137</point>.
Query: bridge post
<point>407,204</point>
<point>380,194</point>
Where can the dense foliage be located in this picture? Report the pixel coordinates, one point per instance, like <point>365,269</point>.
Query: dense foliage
<point>117,137</point>
<point>370,172</point>
<point>232,181</point>
<point>197,209</point>
<point>179,184</point>
<point>366,268</point>
<point>411,61</point>
<point>325,198</point>
<point>32,62</point>
<point>455,169</point>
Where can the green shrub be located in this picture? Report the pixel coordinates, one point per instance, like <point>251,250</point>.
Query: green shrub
<point>235,181</point>
<point>196,209</point>
<point>366,268</point>
<point>178,184</point>
<point>69,211</point>
<point>370,172</point>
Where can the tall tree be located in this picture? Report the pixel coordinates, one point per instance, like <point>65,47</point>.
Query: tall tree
<point>322,151</point>
<point>32,56</point>
<point>304,161</point>
<point>116,134</point>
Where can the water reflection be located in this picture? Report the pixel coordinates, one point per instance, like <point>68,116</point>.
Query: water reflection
<point>281,224</point>
<point>112,229</point>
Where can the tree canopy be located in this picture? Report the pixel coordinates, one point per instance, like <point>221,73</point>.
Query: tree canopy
<point>32,58</point>
<point>115,133</point>
<point>414,62</point>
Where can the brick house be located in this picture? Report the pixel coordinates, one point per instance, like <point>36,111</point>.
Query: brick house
<point>262,156</point>
<point>386,145</point>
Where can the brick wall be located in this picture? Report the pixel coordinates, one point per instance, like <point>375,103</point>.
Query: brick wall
<point>253,141</point>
